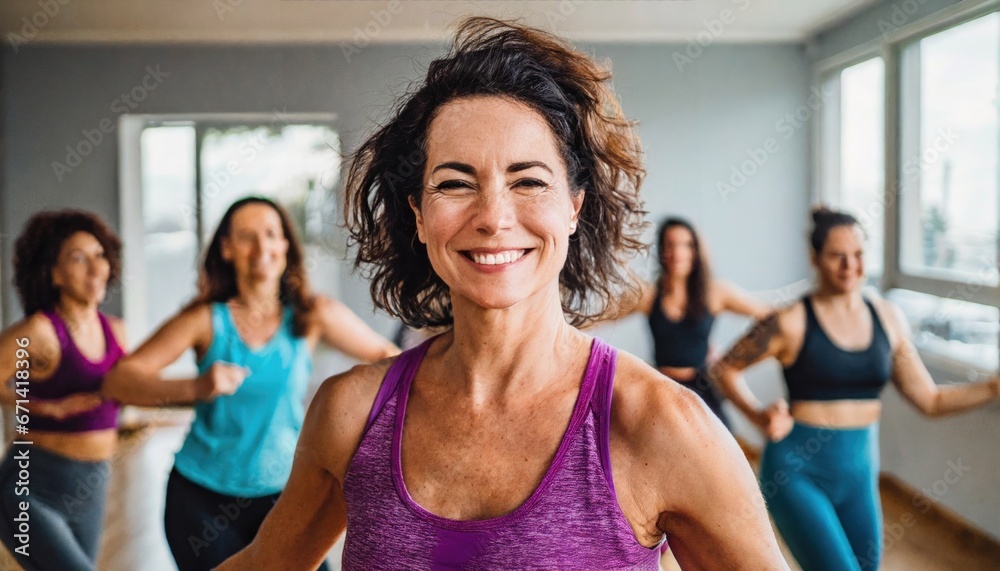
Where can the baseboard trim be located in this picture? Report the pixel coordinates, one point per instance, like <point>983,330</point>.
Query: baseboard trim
<point>963,531</point>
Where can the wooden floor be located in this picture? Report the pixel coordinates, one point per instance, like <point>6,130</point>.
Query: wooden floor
<point>133,538</point>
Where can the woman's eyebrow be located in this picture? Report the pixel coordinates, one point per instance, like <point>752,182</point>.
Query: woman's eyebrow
<point>453,165</point>
<point>517,167</point>
<point>470,170</point>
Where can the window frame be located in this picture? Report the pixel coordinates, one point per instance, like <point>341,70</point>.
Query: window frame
<point>889,47</point>
<point>823,193</point>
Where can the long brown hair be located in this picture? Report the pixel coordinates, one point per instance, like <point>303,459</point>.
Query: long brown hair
<point>598,145</point>
<point>699,279</point>
<point>217,278</point>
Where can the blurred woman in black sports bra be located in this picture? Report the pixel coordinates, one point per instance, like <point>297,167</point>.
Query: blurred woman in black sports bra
<point>819,470</point>
<point>682,306</point>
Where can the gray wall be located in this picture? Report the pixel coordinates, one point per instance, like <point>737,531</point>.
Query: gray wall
<point>922,452</point>
<point>696,124</point>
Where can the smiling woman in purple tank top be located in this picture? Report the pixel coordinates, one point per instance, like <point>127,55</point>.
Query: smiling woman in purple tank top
<point>501,200</point>
<point>63,263</point>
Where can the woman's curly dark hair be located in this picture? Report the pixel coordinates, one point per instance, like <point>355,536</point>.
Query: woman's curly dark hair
<point>37,249</point>
<point>598,144</point>
<point>217,278</point>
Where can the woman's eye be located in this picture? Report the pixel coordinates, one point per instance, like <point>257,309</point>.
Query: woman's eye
<point>452,184</point>
<point>530,183</point>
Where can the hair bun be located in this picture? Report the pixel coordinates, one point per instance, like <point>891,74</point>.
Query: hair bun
<point>821,211</point>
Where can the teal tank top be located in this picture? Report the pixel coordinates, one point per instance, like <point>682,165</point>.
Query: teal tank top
<point>243,444</point>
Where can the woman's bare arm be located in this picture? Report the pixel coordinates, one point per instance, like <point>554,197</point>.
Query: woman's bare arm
<point>136,378</point>
<point>343,330</point>
<point>764,340</point>
<point>739,302</point>
<point>916,384</point>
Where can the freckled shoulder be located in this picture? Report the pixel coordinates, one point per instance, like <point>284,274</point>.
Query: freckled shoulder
<point>643,397</point>
<point>340,410</point>
<point>660,432</point>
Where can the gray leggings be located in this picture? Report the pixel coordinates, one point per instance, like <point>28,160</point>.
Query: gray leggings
<point>65,509</point>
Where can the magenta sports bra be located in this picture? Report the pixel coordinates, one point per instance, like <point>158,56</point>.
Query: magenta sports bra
<point>571,521</point>
<point>76,374</point>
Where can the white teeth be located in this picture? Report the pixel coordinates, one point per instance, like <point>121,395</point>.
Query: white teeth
<point>507,257</point>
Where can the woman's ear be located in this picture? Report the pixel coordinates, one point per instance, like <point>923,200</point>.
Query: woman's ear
<point>419,217</point>
<point>577,200</point>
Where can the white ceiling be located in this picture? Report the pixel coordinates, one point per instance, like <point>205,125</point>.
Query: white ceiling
<point>318,21</point>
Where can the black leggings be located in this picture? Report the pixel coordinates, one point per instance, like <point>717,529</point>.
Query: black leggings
<point>703,387</point>
<point>65,512</point>
<point>204,528</point>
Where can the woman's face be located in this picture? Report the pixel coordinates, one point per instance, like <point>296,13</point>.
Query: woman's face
<point>496,211</point>
<point>81,271</point>
<point>678,251</point>
<point>841,262</point>
<point>256,245</point>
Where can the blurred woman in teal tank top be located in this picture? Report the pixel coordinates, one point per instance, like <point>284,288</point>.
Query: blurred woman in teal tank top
<point>253,327</point>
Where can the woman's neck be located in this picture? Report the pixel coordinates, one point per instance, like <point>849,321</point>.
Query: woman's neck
<point>839,299</point>
<point>674,284</point>
<point>75,311</point>
<point>523,347</point>
<point>260,297</point>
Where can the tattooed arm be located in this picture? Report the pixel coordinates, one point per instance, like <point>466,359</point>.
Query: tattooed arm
<point>767,338</point>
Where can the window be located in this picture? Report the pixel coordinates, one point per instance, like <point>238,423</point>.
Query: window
<point>853,127</point>
<point>190,171</point>
<point>941,204</point>
<point>949,156</point>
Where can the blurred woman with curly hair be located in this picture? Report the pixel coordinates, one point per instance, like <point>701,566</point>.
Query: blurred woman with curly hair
<point>56,358</point>
<point>501,200</point>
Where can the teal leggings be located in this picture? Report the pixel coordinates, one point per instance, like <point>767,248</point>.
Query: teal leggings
<point>821,487</point>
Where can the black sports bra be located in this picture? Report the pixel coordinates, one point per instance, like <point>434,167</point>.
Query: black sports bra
<point>681,343</point>
<point>824,371</point>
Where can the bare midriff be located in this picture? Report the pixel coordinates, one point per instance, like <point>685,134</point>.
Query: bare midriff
<point>837,413</point>
<point>91,446</point>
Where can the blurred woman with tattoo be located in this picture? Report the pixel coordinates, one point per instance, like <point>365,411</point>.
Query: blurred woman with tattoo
<point>838,350</point>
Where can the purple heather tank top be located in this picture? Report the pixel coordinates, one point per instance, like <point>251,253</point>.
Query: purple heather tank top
<point>77,374</point>
<point>571,521</point>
